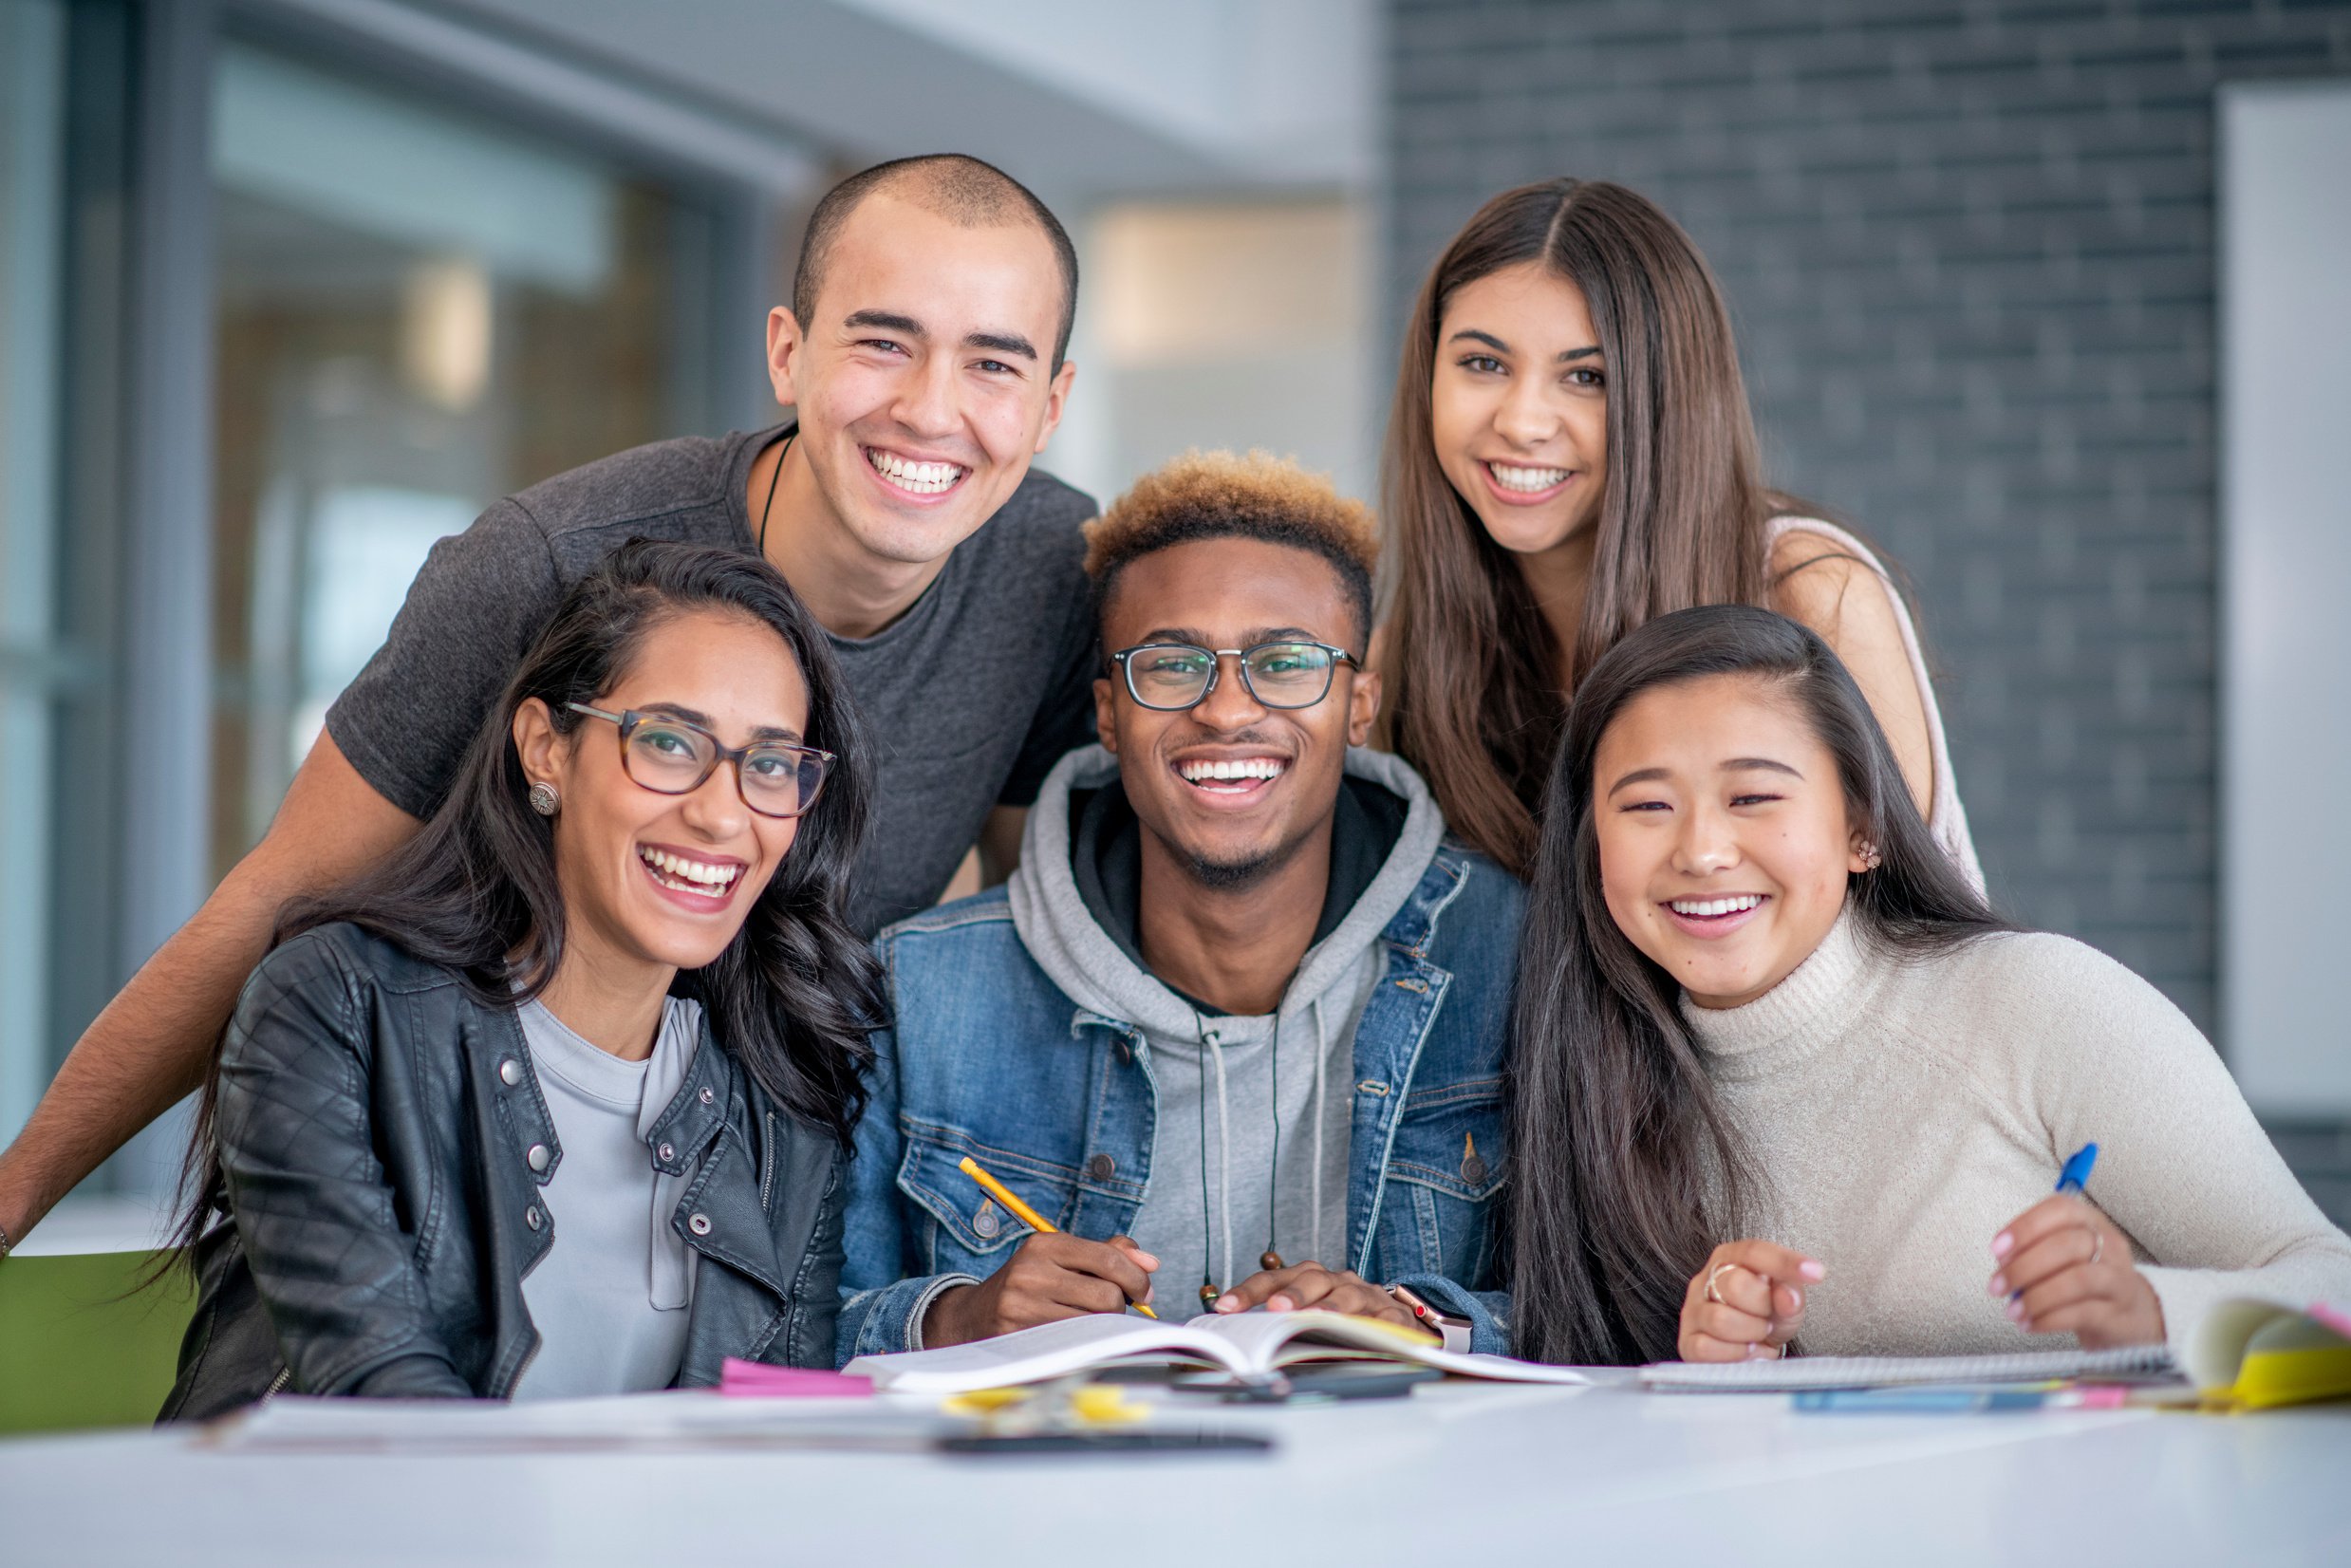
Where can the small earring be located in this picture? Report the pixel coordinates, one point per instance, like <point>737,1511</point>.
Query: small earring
<point>543,799</point>
<point>1869,855</point>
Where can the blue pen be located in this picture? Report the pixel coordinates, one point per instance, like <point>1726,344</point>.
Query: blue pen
<point>2072,1179</point>
<point>2077,1172</point>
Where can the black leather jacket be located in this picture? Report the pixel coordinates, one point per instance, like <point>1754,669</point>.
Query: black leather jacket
<point>385,1141</point>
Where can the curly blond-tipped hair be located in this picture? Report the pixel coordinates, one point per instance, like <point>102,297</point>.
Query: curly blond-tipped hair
<point>1218,496</point>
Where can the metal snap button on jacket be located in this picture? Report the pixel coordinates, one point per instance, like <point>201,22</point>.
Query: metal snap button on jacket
<point>531,1217</point>
<point>665,1153</point>
<point>539,1157</point>
<point>986,1223</point>
<point>708,1094</point>
<point>698,1224</point>
<point>1101,1167</point>
<point>510,1071</point>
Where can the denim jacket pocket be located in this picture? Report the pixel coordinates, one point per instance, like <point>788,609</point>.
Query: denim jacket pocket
<point>1446,1165</point>
<point>974,1232</point>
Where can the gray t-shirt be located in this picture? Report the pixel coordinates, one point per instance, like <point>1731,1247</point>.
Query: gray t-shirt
<point>968,698</point>
<point>610,1298</point>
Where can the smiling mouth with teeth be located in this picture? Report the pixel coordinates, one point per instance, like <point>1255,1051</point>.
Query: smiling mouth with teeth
<point>1714,908</point>
<point>1528,482</point>
<point>679,874</point>
<point>1231,775</point>
<point>919,479</point>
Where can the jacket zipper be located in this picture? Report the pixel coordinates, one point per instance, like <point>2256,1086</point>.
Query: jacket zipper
<point>529,1355</point>
<point>285,1375</point>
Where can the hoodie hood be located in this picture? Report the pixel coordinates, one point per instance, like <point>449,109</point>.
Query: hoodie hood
<point>1095,973</point>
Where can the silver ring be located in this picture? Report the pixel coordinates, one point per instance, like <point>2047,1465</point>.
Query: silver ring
<point>2098,1243</point>
<point>1713,1274</point>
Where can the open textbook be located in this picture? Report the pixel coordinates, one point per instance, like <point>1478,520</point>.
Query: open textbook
<point>1246,1344</point>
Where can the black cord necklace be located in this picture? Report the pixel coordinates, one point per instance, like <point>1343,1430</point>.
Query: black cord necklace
<point>769,504</point>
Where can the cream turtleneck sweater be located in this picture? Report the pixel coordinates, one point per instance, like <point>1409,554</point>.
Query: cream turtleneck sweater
<point>1903,1110</point>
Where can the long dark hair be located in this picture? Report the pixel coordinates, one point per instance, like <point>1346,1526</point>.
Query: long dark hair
<point>1471,666</point>
<point>1628,1171</point>
<point>792,995</point>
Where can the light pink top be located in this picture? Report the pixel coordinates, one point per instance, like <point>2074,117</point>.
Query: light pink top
<point>1946,818</point>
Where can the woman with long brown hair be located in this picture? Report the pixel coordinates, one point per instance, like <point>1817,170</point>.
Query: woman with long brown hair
<point>1779,1077</point>
<point>1570,453</point>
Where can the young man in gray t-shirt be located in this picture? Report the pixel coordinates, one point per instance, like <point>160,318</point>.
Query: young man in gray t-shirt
<point>923,354</point>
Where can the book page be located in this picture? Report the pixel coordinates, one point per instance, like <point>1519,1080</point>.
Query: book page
<point>1270,1339</point>
<point>1285,1339</point>
<point>1048,1350</point>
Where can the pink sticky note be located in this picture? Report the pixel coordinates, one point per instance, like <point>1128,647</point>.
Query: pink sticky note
<point>754,1379</point>
<point>2334,1317</point>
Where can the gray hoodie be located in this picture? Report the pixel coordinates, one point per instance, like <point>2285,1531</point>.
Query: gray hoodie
<point>1229,1089</point>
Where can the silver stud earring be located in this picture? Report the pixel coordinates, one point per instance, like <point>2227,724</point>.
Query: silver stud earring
<point>543,799</point>
<point>1869,855</point>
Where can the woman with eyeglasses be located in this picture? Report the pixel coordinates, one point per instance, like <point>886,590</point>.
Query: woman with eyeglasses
<point>557,1103</point>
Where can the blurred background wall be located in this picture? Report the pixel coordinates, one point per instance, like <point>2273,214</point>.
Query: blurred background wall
<point>291,287</point>
<point>1972,251</point>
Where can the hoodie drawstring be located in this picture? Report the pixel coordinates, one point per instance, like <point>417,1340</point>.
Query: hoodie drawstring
<point>1322,1049</point>
<point>1211,1046</point>
<point>1224,1152</point>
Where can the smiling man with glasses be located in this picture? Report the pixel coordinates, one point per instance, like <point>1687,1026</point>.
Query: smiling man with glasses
<point>1236,1025</point>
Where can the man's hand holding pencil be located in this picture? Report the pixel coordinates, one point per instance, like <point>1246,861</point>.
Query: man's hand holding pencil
<point>1049,1277</point>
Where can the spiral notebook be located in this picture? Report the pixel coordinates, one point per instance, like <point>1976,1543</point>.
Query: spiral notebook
<point>2132,1362</point>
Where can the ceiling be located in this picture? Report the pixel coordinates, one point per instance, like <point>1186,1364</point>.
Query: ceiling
<point>1082,101</point>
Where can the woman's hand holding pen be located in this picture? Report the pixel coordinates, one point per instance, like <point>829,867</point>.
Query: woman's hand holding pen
<point>1047,1278</point>
<point>1746,1304</point>
<point>2064,1266</point>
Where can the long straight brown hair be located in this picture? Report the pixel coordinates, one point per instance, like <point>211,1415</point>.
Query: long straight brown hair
<point>1624,1169</point>
<point>1471,666</point>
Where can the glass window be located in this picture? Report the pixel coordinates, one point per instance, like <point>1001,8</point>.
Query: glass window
<point>32,83</point>
<point>419,312</point>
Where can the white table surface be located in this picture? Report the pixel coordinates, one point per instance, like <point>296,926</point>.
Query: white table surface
<point>1458,1474</point>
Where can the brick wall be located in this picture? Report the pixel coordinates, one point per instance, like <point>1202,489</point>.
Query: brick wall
<point>1969,249</point>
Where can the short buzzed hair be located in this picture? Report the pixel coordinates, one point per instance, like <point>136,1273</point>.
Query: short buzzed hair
<point>1218,496</point>
<point>964,191</point>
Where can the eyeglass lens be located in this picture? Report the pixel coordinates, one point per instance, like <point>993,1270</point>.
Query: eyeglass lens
<point>1280,675</point>
<point>778,779</point>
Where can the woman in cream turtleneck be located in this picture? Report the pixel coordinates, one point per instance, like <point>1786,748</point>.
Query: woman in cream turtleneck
<point>1779,1073</point>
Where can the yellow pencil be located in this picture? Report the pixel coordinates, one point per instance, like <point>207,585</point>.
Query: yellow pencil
<point>1023,1213</point>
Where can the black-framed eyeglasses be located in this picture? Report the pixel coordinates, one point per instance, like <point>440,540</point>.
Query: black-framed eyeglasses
<point>1171,677</point>
<point>671,755</point>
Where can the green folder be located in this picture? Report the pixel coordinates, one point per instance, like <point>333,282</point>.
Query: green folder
<point>82,1345</point>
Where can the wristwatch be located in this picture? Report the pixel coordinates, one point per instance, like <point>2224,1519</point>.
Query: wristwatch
<point>1454,1330</point>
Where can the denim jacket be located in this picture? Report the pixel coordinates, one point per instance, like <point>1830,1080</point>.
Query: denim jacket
<point>987,1057</point>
